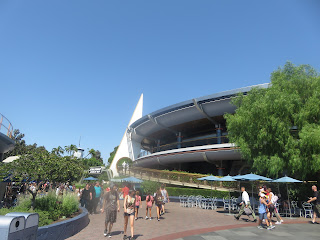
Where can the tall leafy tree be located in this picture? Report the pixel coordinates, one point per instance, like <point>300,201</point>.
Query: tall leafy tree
<point>40,165</point>
<point>112,154</point>
<point>70,149</point>
<point>20,145</point>
<point>58,151</point>
<point>278,129</point>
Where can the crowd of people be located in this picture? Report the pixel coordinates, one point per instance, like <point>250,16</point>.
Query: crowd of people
<point>267,207</point>
<point>109,200</point>
<point>15,189</point>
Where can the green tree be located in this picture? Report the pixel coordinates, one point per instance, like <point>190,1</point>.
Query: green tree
<point>40,165</point>
<point>20,145</point>
<point>58,151</point>
<point>112,154</point>
<point>95,156</point>
<point>91,162</point>
<point>71,149</point>
<point>278,129</point>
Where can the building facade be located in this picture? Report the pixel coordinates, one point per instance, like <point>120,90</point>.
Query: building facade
<point>188,136</point>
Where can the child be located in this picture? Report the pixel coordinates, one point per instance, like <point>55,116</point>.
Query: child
<point>263,211</point>
<point>138,204</point>
<point>149,202</point>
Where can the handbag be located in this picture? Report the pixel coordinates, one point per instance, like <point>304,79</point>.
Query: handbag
<point>247,211</point>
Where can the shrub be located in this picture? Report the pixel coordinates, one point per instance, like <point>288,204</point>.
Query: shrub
<point>70,204</point>
<point>175,191</point>
<point>150,187</point>
<point>50,207</point>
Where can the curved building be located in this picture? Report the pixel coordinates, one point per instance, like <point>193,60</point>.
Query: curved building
<point>189,136</point>
<point>6,141</point>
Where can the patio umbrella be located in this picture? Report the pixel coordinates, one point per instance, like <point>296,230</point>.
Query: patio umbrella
<point>252,177</point>
<point>90,179</point>
<point>227,179</point>
<point>287,180</point>
<point>210,178</point>
<point>131,180</point>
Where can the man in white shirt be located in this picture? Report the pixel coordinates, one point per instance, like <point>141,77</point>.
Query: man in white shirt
<point>245,204</point>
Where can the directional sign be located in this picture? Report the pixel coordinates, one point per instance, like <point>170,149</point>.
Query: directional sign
<point>95,170</point>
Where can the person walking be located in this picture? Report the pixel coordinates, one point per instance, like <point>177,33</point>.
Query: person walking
<point>165,198</point>
<point>316,204</point>
<point>245,204</point>
<point>137,205</point>
<point>96,200</point>
<point>272,208</point>
<point>263,211</point>
<point>149,204</point>
<point>111,205</point>
<point>129,205</point>
<point>159,202</point>
<point>86,197</point>
<point>125,191</point>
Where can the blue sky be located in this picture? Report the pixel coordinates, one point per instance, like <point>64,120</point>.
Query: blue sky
<point>77,68</point>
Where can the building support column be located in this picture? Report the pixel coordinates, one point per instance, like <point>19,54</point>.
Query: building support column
<point>179,139</point>
<point>158,145</point>
<point>219,133</point>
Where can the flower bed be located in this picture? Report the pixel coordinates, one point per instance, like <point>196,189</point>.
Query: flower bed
<point>49,207</point>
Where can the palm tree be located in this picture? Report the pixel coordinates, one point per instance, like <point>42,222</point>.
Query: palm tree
<point>58,151</point>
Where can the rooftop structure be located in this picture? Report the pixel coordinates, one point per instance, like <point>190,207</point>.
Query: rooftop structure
<point>190,136</point>
<point>6,131</point>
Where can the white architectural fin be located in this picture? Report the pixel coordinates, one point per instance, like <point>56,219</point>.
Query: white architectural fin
<point>125,147</point>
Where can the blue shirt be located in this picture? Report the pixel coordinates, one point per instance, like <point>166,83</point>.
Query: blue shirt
<point>98,191</point>
<point>262,208</point>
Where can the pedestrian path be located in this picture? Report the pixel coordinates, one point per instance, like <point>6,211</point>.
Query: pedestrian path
<point>283,232</point>
<point>185,223</point>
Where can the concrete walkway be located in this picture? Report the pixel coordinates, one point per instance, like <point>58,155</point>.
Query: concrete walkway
<point>285,231</point>
<point>192,223</point>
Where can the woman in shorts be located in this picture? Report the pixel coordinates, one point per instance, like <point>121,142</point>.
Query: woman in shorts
<point>129,206</point>
<point>138,204</point>
<point>149,203</point>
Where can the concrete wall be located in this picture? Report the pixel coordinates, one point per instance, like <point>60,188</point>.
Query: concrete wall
<point>65,229</point>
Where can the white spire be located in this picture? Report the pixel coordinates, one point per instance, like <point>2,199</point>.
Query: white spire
<point>125,147</point>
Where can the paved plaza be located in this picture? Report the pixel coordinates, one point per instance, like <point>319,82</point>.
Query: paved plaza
<point>199,224</point>
<point>285,231</point>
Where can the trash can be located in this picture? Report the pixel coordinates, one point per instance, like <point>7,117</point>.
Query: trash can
<point>31,224</point>
<point>12,227</point>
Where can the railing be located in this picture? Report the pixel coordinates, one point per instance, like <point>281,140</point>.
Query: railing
<point>175,177</point>
<point>5,126</point>
<point>186,144</point>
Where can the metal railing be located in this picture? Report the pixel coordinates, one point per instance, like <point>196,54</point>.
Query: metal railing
<point>5,126</point>
<point>186,144</point>
<point>175,178</point>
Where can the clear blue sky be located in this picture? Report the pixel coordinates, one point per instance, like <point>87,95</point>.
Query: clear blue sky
<point>77,68</point>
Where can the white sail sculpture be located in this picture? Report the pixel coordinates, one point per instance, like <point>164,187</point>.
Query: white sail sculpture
<point>127,147</point>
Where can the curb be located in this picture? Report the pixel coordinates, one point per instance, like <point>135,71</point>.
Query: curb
<point>64,229</point>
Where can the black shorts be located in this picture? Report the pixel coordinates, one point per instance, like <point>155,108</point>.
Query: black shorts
<point>316,209</point>
<point>129,214</point>
<point>271,208</point>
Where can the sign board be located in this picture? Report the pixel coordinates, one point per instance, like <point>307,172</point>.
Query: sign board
<point>95,170</point>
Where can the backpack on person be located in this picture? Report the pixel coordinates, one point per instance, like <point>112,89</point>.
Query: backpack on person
<point>274,199</point>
